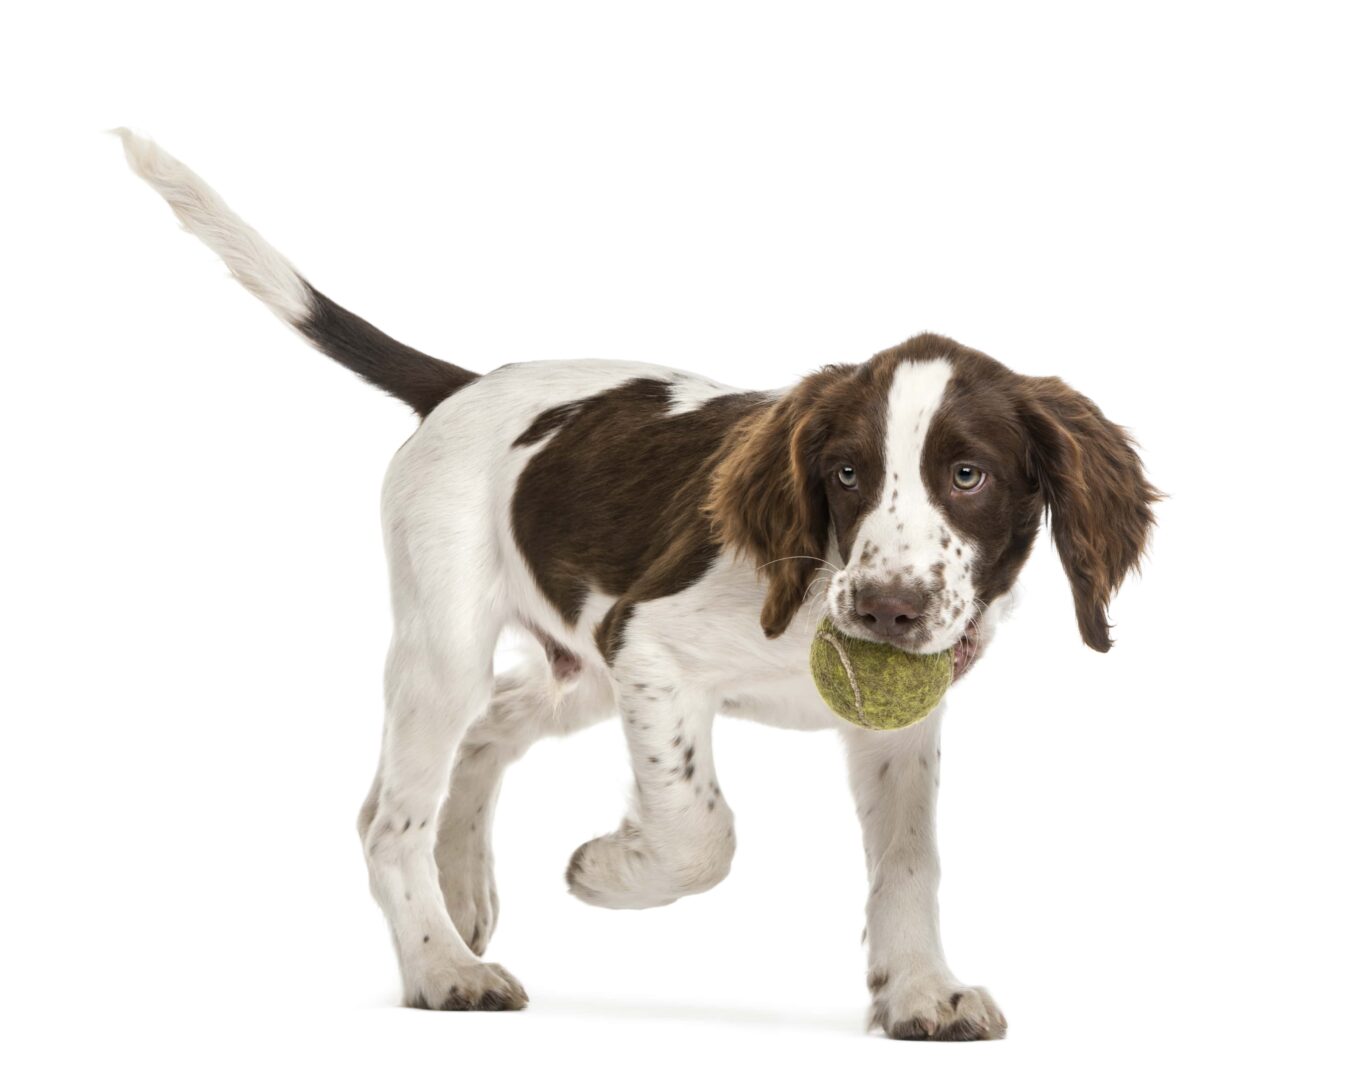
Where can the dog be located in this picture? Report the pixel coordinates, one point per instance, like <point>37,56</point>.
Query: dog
<point>672,544</point>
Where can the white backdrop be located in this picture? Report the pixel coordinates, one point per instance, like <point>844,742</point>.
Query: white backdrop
<point>1148,855</point>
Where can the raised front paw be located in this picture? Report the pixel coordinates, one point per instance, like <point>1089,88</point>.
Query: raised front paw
<point>619,871</point>
<point>624,870</point>
<point>934,1008</point>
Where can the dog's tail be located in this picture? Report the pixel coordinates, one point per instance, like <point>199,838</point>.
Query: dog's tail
<point>418,380</point>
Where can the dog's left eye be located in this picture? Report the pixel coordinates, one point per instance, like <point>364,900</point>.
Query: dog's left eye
<point>967,477</point>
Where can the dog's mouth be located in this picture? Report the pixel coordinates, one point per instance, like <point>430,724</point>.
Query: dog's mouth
<point>967,649</point>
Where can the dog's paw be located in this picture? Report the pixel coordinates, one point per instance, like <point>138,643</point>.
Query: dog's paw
<point>617,871</point>
<point>934,1008</point>
<point>467,880</point>
<point>469,988</point>
<point>622,870</point>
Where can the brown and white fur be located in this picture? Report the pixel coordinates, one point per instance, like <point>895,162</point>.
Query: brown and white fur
<point>672,543</point>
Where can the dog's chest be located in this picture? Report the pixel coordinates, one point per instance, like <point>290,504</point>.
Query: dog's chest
<point>712,631</point>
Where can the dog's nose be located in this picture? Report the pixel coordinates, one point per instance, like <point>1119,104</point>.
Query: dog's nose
<point>891,611</point>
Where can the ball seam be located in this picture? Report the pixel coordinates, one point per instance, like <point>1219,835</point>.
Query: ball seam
<point>849,673</point>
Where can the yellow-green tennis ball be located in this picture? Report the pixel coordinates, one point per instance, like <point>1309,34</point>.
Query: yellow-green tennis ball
<point>874,685</point>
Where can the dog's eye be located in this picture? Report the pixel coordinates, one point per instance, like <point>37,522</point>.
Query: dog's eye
<point>967,477</point>
<point>848,477</point>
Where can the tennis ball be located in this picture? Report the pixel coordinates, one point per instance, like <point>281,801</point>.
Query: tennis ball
<point>874,685</point>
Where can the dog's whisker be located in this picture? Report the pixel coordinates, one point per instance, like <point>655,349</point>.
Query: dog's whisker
<point>788,558</point>
<point>816,579</point>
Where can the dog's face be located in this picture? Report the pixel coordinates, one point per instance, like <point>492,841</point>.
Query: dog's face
<point>933,521</point>
<point>924,475</point>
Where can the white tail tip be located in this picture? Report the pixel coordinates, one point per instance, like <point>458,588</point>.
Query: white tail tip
<point>250,259</point>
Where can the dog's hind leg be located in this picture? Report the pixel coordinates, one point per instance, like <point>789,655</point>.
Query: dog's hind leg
<point>529,703</point>
<point>439,681</point>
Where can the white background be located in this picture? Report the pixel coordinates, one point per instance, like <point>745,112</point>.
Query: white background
<point>1148,855</point>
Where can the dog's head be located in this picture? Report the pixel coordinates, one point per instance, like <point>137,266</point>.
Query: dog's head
<point>913,486</point>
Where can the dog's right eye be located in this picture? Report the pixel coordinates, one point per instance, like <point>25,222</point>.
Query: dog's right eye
<point>848,477</point>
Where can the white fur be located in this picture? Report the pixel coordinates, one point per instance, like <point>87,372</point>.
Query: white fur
<point>251,260</point>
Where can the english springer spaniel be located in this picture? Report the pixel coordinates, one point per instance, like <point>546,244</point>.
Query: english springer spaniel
<point>672,544</point>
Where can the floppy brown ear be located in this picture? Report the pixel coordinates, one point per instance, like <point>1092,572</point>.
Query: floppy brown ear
<point>1097,496</point>
<point>767,500</point>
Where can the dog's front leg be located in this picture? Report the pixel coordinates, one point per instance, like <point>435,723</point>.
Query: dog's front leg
<point>678,838</point>
<point>914,995</point>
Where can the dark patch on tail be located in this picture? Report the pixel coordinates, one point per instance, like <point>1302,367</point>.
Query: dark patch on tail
<point>421,381</point>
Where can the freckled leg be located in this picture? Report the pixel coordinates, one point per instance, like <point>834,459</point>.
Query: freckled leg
<point>915,996</point>
<point>528,704</point>
<point>438,681</point>
<point>679,837</point>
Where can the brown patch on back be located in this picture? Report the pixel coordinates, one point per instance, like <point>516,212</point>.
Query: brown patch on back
<point>612,501</point>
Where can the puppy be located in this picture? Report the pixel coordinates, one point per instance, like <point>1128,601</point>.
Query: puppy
<point>672,544</point>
